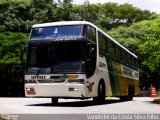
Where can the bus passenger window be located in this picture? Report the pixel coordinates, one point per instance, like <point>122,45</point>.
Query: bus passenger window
<point>102,43</point>
<point>111,49</point>
<point>132,61</point>
<point>135,63</point>
<point>119,53</point>
<point>124,56</point>
<point>128,59</point>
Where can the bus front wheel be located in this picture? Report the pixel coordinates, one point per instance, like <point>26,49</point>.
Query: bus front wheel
<point>54,100</point>
<point>101,93</point>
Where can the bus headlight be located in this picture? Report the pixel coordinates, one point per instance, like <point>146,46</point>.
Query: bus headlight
<point>30,91</point>
<point>79,81</point>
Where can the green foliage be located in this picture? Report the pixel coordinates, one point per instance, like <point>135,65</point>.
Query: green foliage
<point>64,10</point>
<point>10,47</point>
<point>113,15</point>
<point>87,11</point>
<point>150,49</point>
<point>14,16</point>
<point>43,11</point>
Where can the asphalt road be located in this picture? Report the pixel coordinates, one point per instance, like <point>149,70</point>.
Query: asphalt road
<point>41,108</point>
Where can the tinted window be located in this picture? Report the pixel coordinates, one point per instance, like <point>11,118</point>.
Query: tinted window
<point>111,49</point>
<point>129,59</point>
<point>119,53</point>
<point>124,56</point>
<point>135,63</point>
<point>57,32</point>
<point>102,43</point>
<point>91,33</point>
<point>132,61</point>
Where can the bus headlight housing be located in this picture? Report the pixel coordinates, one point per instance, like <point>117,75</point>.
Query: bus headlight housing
<point>30,91</point>
<point>77,81</point>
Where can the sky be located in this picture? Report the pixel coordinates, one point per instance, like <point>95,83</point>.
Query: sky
<point>151,5</point>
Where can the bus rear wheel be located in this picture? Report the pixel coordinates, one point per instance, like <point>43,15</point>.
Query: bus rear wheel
<point>54,100</point>
<point>101,93</point>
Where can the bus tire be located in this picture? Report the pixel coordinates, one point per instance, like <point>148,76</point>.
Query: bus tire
<point>54,100</point>
<point>101,93</point>
<point>131,93</point>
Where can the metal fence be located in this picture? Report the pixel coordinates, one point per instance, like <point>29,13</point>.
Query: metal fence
<point>11,81</point>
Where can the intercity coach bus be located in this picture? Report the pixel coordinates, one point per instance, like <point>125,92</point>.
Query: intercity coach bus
<point>75,59</point>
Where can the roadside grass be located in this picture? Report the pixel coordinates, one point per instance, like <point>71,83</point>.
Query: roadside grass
<point>157,100</point>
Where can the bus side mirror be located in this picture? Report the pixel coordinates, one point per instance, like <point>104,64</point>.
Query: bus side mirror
<point>24,50</point>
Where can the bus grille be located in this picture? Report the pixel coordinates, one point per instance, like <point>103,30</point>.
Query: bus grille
<point>51,81</point>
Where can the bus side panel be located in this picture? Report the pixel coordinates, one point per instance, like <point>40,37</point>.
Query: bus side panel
<point>126,80</point>
<point>119,81</point>
<point>136,86</point>
<point>103,73</point>
<point>114,79</point>
<point>123,81</point>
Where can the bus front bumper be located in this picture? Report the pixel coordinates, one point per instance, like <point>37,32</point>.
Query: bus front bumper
<point>56,90</point>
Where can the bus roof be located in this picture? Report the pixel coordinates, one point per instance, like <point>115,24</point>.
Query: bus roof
<point>62,23</point>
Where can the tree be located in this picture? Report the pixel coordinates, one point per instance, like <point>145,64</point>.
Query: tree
<point>88,12</point>
<point>150,49</point>
<point>14,16</point>
<point>64,9</point>
<point>113,15</point>
<point>10,47</point>
<point>43,11</point>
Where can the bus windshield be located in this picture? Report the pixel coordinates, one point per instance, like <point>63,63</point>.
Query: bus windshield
<point>55,32</point>
<point>59,57</point>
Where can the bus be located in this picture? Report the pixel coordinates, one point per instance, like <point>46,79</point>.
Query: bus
<point>77,60</point>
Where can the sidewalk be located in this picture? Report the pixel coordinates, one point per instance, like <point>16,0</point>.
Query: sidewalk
<point>143,99</point>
